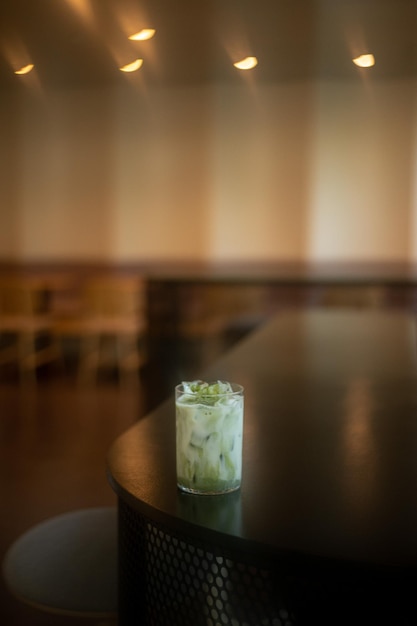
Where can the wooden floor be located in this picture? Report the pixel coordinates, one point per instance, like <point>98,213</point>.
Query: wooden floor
<point>54,436</point>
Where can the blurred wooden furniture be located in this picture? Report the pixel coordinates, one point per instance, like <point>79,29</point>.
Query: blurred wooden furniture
<point>110,324</point>
<point>25,323</point>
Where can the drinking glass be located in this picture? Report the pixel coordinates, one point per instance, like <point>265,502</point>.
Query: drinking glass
<point>209,435</point>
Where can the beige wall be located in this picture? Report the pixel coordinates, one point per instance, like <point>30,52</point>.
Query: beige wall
<point>363,174</point>
<point>323,171</point>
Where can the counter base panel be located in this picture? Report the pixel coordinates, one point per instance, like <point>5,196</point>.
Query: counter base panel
<point>170,579</point>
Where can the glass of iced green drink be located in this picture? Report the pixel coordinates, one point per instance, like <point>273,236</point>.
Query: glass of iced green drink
<point>209,433</point>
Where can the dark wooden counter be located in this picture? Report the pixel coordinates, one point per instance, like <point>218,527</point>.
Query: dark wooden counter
<point>328,504</point>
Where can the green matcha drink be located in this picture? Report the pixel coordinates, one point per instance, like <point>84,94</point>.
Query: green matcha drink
<point>209,427</point>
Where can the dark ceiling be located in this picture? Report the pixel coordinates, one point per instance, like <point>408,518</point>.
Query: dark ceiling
<point>85,41</point>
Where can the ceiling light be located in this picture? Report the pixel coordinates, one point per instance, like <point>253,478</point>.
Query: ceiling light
<point>25,69</point>
<point>364,60</point>
<point>246,64</point>
<point>132,67</point>
<point>143,35</point>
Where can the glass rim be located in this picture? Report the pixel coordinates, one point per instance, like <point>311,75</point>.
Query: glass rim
<point>237,390</point>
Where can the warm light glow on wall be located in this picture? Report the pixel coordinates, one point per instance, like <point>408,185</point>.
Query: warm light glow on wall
<point>143,35</point>
<point>246,64</point>
<point>364,60</point>
<point>83,9</point>
<point>25,70</point>
<point>132,67</point>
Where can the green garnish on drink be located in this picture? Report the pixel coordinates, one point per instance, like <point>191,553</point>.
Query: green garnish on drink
<point>209,425</point>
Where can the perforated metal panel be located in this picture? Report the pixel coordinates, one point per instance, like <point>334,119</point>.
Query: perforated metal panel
<point>167,581</point>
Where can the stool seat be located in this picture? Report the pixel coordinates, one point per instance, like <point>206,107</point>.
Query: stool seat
<point>67,564</point>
